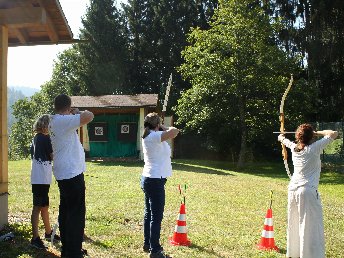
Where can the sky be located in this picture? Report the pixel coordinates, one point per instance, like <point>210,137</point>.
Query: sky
<point>32,66</point>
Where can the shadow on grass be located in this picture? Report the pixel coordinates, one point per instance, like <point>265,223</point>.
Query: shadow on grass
<point>97,242</point>
<point>20,244</point>
<point>331,178</point>
<point>274,170</point>
<point>205,250</point>
<point>117,163</point>
<point>199,169</point>
<point>282,251</point>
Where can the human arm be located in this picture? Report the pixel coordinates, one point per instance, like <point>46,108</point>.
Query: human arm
<point>85,116</point>
<point>330,133</point>
<point>281,138</point>
<point>168,132</point>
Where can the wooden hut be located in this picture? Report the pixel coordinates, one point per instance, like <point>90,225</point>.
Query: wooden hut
<point>116,129</point>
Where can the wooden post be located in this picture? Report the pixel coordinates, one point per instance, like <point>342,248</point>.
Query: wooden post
<point>3,127</point>
<point>140,132</point>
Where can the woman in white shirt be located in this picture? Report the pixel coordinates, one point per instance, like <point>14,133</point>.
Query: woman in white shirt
<point>157,158</point>
<point>305,233</point>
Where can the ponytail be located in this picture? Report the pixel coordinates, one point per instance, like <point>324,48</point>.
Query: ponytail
<point>148,127</point>
<point>146,132</point>
<point>152,120</point>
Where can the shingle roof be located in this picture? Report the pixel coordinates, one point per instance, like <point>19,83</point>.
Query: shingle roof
<point>115,101</point>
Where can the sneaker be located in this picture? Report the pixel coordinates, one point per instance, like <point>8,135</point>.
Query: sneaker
<point>160,254</point>
<point>48,237</point>
<point>37,243</point>
<point>146,248</point>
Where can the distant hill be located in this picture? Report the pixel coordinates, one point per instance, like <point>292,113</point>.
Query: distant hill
<point>27,91</point>
<point>14,94</point>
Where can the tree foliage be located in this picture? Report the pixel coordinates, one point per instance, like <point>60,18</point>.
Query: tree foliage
<point>315,29</point>
<point>235,65</point>
<point>238,74</point>
<point>104,53</point>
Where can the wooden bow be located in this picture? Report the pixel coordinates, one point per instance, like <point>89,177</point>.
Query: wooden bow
<point>282,129</point>
<point>167,94</point>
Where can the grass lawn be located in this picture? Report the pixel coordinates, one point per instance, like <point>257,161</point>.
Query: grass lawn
<point>225,209</point>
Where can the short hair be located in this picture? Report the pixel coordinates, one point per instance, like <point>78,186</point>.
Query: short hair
<point>62,102</point>
<point>41,123</point>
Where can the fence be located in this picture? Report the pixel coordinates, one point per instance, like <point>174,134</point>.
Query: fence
<point>334,152</point>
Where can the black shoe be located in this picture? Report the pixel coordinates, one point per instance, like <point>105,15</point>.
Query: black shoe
<point>146,248</point>
<point>48,237</point>
<point>37,243</point>
<point>84,252</point>
<point>160,254</point>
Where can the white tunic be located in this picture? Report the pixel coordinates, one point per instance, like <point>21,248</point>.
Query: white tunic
<point>307,163</point>
<point>305,233</point>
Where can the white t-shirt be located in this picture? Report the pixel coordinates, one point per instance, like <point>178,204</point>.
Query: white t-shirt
<point>307,163</point>
<point>157,156</point>
<point>69,155</point>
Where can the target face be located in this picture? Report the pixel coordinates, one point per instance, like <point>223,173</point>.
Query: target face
<point>125,129</point>
<point>98,130</point>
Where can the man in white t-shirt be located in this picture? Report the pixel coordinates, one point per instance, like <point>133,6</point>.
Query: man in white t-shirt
<point>69,165</point>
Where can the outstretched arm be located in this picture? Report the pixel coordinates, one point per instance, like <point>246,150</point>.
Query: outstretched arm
<point>330,133</point>
<point>169,133</point>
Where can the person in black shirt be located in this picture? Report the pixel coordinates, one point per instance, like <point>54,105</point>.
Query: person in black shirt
<point>41,176</point>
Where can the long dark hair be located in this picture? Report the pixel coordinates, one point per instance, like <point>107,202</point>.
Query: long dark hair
<point>304,136</point>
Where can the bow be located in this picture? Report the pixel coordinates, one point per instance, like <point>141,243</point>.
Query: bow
<point>282,129</point>
<point>167,94</point>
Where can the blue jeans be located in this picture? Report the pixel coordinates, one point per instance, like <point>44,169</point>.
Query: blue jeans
<point>154,190</point>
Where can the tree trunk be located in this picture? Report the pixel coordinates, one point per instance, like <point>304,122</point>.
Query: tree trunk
<point>243,145</point>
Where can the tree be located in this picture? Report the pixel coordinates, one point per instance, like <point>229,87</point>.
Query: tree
<point>238,75</point>
<point>314,29</point>
<point>65,79</point>
<point>26,111</point>
<point>158,30</point>
<point>105,50</point>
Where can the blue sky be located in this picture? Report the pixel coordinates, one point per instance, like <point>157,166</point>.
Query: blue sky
<point>32,66</point>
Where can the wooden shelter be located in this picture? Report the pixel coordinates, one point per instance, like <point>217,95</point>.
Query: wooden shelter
<point>24,23</point>
<point>116,129</point>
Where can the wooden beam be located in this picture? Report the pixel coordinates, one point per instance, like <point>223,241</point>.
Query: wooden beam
<point>22,17</point>
<point>3,127</point>
<point>22,35</point>
<point>52,32</point>
<point>51,29</point>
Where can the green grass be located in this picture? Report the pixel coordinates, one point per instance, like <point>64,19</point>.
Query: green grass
<point>225,209</point>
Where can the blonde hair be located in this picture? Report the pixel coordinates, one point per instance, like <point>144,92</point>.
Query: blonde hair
<point>41,123</point>
<point>152,120</point>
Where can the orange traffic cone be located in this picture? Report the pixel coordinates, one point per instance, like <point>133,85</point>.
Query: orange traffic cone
<point>180,236</point>
<point>267,241</point>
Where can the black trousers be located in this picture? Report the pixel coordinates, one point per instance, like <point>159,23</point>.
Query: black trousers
<point>72,213</point>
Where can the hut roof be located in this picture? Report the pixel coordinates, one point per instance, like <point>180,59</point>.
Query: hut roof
<point>115,101</point>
